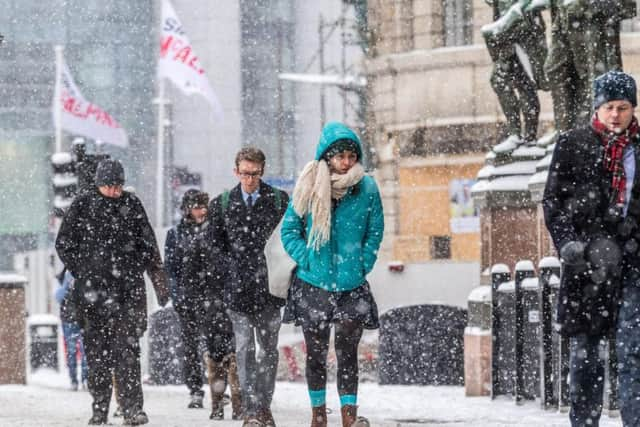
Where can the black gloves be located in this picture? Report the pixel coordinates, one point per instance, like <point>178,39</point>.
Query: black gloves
<point>572,252</point>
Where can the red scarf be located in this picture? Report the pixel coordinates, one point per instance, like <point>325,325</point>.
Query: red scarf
<point>614,145</point>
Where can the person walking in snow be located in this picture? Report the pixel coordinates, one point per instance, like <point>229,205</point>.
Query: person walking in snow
<point>241,222</point>
<point>107,243</point>
<point>592,211</point>
<point>71,331</point>
<point>197,295</point>
<point>333,228</point>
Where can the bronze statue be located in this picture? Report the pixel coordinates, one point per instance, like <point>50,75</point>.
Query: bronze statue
<point>585,42</point>
<point>517,45</point>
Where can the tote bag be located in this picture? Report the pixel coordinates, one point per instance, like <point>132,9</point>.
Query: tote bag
<point>279,264</point>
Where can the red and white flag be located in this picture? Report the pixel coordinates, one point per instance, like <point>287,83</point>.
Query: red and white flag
<point>79,116</point>
<point>179,63</point>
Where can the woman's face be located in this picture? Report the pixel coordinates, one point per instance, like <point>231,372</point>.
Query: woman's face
<point>343,161</point>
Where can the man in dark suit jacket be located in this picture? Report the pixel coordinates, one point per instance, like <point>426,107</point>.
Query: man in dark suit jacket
<point>242,221</point>
<point>592,210</point>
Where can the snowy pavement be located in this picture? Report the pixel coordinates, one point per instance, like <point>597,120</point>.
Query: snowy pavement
<point>45,401</point>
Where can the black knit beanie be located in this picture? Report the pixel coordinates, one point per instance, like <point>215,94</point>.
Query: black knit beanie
<point>339,146</point>
<point>614,86</point>
<point>109,172</point>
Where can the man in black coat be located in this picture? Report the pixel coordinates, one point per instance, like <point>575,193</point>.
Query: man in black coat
<point>242,221</point>
<point>592,211</point>
<point>107,243</point>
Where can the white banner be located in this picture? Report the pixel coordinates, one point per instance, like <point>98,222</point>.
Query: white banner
<point>179,63</point>
<point>79,116</point>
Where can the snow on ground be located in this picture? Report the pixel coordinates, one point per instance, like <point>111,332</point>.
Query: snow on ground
<point>46,401</point>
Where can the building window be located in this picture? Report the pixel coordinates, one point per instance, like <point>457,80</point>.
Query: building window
<point>457,25</point>
<point>440,247</point>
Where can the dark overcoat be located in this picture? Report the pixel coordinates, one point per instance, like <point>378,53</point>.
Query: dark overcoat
<point>579,205</point>
<point>107,244</point>
<point>239,235</point>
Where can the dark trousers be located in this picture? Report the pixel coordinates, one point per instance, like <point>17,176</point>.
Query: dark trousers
<point>257,370</point>
<point>208,320</point>
<point>191,333</point>
<point>112,346</point>
<point>628,350</point>
<point>586,379</point>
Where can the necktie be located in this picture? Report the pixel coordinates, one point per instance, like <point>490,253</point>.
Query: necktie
<point>249,201</point>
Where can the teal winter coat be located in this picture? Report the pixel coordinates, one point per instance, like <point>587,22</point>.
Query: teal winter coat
<point>357,226</point>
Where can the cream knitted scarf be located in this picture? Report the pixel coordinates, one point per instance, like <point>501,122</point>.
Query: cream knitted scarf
<point>314,190</point>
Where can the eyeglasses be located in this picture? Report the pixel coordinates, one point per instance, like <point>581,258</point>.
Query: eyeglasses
<point>247,175</point>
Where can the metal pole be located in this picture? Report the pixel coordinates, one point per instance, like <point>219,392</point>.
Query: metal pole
<point>343,59</point>
<point>323,108</point>
<point>160,156</point>
<point>57,92</point>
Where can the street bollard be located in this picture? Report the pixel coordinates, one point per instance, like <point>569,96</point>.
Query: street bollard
<point>549,268</point>
<point>499,274</point>
<point>477,343</point>
<point>524,269</point>
<point>13,369</point>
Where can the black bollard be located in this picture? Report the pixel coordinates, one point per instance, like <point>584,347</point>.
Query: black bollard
<point>499,274</point>
<point>548,267</point>
<point>523,270</point>
<point>611,389</point>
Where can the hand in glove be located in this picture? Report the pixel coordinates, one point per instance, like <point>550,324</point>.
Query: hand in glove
<point>572,252</point>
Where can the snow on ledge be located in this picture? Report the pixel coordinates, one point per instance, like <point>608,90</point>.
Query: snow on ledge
<point>43,319</point>
<point>500,269</point>
<point>524,265</point>
<point>507,287</point>
<point>539,178</point>
<point>476,331</point>
<point>509,183</point>
<point>480,294</point>
<point>549,262</point>
<point>6,277</point>
<point>526,167</point>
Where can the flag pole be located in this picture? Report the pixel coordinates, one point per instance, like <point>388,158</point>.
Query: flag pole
<point>57,111</point>
<point>160,156</point>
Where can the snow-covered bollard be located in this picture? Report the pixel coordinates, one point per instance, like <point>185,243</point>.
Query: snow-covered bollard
<point>477,343</point>
<point>13,366</point>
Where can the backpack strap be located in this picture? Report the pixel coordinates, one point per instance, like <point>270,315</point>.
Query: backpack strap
<point>224,201</point>
<point>278,198</point>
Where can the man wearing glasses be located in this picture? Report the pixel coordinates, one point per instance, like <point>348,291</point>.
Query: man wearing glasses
<point>242,221</point>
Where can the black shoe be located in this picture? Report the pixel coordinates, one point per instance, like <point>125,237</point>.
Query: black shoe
<point>196,401</point>
<point>217,414</point>
<point>138,418</point>
<point>98,419</point>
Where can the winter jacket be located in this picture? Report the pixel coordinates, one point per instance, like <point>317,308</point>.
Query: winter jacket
<point>577,207</point>
<point>188,263</point>
<point>107,244</point>
<point>239,235</point>
<point>357,226</point>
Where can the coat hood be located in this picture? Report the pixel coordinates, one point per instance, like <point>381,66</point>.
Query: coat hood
<point>335,131</point>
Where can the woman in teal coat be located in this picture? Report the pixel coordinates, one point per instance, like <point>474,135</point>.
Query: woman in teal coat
<point>332,229</point>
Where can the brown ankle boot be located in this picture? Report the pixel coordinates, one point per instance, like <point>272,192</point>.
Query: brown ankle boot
<point>349,414</point>
<point>234,385</point>
<point>217,376</point>
<point>350,417</point>
<point>319,416</point>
